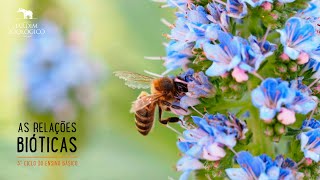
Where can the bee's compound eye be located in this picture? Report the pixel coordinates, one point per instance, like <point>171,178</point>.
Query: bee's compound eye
<point>181,87</point>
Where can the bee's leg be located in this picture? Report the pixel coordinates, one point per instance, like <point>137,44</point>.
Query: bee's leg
<point>178,107</point>
<point>160,112</point>
<point>169,120</point>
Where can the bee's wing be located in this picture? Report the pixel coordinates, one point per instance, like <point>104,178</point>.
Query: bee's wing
<point>143,100</point>
<point>134,80</point>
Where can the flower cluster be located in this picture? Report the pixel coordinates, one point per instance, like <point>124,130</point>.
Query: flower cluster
<point>286,98</point>
<point>263,167</point>
<point>271,48</point>
<point>208,140</point>
<point>207,28</point>
<point>54,73</point>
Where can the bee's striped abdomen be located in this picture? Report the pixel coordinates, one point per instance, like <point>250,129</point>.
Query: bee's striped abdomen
<point>145,118</point>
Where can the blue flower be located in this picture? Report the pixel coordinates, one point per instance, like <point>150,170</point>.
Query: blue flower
<point>178,54</point>
<point>303,102</point>
<point>50,73</point>
<point>213,133</point>
<point>207,141</point>
<point>251,167</point>
<point>181,32</point>
<point>188,164</point>
<point>298,36</point>
<point>263,168</point>
<point>310,124</point>
<point>270,96</point>
<point>314,65</point>
<point>310,144</point>
<point>198,84</point>
<point>265,47</point>
<point>236,9</point>
<point>252,56</point>
<point>218,14</point>
<point>310,139</point>
<point>225,56</point>
<point>313,11</point>
<point>315,54</point>
<point>197,15</point>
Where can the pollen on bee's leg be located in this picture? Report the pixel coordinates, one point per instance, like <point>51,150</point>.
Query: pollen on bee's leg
<point>153,74</point>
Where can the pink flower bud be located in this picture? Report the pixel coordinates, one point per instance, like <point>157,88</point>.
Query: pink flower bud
<point>303,58</point>
<point>284,57</point>
<point>225,75</point>
<point>286,116</point>
<point>274,16</point>
<point>239,75</point>
<point>267,6</point>
<point>308,161</point>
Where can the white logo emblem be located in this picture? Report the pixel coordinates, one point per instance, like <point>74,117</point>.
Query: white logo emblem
<point>27,14</point>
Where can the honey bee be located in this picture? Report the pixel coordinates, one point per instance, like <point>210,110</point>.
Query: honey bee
<point>165,93</point>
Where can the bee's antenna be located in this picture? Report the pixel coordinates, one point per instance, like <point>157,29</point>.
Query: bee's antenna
<point>153,74</point>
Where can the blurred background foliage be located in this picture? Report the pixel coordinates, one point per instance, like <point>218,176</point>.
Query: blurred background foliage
<point>120,33</point>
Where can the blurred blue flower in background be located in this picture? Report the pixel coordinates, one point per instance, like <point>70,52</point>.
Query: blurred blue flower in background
<point>56,73</point>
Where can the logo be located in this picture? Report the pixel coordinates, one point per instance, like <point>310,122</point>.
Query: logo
<point>27,14</point>
<point>26,26</point>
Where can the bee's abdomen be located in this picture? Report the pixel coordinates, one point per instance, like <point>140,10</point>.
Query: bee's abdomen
<point>144,119</point>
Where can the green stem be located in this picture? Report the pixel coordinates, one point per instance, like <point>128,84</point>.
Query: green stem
<point>261,143</point>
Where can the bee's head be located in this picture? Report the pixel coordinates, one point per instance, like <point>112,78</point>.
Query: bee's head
<point>165,84</point>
